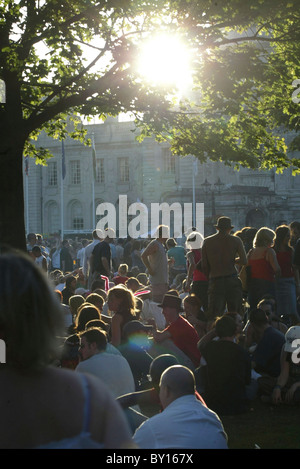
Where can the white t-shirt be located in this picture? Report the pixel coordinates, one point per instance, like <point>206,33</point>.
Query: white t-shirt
<point>112,369</point>
<point>185,423</point>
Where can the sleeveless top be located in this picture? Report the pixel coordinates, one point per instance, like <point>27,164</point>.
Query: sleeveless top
<point>84,439</point>
<point>284,259</point>
<point>198,276</point>
<point>261,269</point>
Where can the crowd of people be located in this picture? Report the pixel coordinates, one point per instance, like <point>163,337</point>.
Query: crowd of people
<point>99,331</point>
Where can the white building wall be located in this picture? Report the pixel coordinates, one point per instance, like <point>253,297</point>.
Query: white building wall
<point>260,197</point>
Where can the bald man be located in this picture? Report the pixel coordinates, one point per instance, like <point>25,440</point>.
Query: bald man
<point>184,422</point>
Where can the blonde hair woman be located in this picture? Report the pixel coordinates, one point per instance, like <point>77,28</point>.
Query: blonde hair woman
<point>264,266</point>
<point>121,302</point>
<point>54,407</point>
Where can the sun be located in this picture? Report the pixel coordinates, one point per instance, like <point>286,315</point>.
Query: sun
<point>165,60</point>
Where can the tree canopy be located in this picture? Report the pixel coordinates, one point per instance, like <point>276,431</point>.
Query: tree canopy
<point>62,58</point>
<point>247,70</point>
<point>71,57</point>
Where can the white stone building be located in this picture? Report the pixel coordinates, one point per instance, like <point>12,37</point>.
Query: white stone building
<point>148,173</point>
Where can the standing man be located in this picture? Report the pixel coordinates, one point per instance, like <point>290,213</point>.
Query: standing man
<point>31,241</point>
<point>80,252</point>
<point>86,268</point>
<point>66,260</point>
<point>101,260</point>
<point>155,259</point>
<point>220,254</point>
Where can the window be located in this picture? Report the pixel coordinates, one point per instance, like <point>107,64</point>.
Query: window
<point>52,218</point>
<point>100,170</point>
<point>75,172</point>
<point>123,169</point>
<point>52,173</point>
<point>168,161</point>
<point>77,222</point>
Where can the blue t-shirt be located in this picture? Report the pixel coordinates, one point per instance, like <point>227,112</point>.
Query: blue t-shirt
<point>268,351</point>
<point>178,253</point>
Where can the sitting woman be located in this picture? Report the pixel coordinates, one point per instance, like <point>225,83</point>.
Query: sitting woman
<point>121,277</point>
<point>55,408</point>
<point>122,304</point>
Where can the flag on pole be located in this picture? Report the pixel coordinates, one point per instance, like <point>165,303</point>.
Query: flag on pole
<point>26,165</point>
<point>94,158</point>
<point>63,161</point>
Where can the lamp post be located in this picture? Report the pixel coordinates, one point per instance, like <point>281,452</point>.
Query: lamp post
<point>195,172</point>
<point>213,188</point>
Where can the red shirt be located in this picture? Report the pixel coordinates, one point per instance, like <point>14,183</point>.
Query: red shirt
<point>185,337</point>
<point>197,274</point>
<point>261,268</point>
<point>284,259</point>
<point>119,279</point>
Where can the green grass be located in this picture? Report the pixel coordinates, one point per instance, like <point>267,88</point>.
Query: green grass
<point>265,425</point>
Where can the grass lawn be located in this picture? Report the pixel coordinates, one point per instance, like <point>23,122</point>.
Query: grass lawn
<point>265,425</point>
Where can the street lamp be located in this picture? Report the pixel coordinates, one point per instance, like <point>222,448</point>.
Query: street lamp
<point>212,188</point>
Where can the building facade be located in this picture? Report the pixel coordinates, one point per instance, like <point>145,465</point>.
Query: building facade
<point>146,172</point>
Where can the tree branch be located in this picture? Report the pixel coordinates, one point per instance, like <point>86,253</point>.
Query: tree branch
<point>100,86</point>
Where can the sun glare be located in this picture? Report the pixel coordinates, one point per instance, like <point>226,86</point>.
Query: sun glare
<point>165,60</point>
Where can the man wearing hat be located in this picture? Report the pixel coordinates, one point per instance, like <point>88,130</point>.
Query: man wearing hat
<point>179,332</point>
<point>220,254</point>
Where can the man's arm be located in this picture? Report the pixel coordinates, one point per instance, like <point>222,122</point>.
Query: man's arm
<point>62,261</point>
<point>160,336</point>
<point>91,263</point>
<point>85,264</point>
<point>192,265</point>
<point>272,258</point>
<point>242,256</point>
<point>150,249</point>
<point>135,398</point>
<point>205,263</point>
<point>106,266</point>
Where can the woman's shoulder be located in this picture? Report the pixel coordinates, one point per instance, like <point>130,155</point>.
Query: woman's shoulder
<point>260,252</point>
<point>270,252</point>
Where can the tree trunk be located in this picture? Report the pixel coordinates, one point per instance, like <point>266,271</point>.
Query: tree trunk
<point>12,139</point>
<point>12,224</point>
